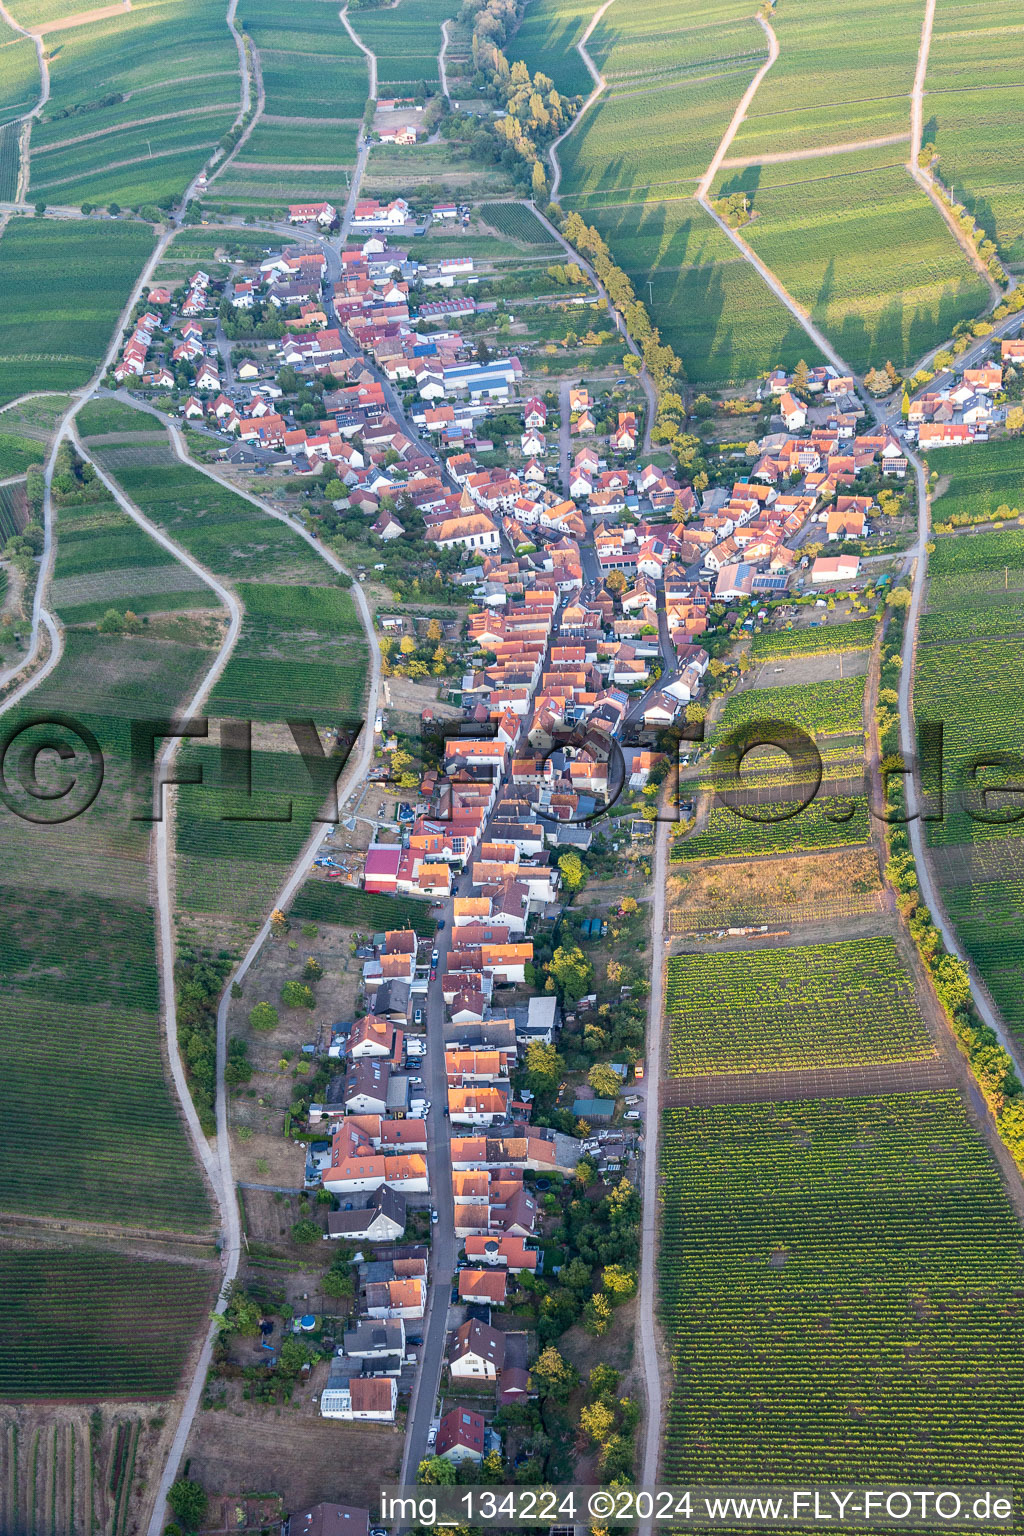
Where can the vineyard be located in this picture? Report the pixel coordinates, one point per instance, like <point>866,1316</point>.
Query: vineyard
<point>830,708</point>
<point>138,145</point>
<point>828,822</point>
<point>802,1006</point>
<point>842,1291</point>
<point>87,276</point>
<point>968,676</point>
<point>84,1323</point>
<point>368,911</point>
<point>517,223</point>
<point>978,483</point>
<point>829,640</point>
<point>866,92</point>
<point>859,245</point>
<point>975,133</point>
<point>406,42</point>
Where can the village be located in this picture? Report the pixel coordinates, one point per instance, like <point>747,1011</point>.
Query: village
<point>600,595</point>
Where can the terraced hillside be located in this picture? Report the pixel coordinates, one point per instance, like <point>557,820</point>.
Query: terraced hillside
<point>130,119</point>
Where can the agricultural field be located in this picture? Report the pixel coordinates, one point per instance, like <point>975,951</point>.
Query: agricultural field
<point>828,640</point>
<point>299,655</point>
<point>978,478</point>
<point>817,1005</point>
<point>784,890</point>
<point>406,41</point>
<point>10,160</point>
<point>855,242</point>
<point>833,707</point>
<point>19,74</point>
<point>88,274</point>
<point>710,304</point>
<point>117,126</point>
<point>971,103</point>
<point>815,96</point>
<point>636,48</point>
<point>828,822</point>
<point>17,453</point>
<point>875,1240</point>
<point>517,222</point>
<point>54,1343</point>
<point>972,631</point>
<point>321,902</point>
<point>547,39</point>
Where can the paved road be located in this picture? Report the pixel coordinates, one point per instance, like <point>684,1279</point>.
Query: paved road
<point>564,436</point>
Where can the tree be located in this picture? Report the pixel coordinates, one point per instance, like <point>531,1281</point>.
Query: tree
<point>574,876</point>
<point>801,374</point>
<point>539,182</point>
<point>571,972</point>
<point>263,1017</point>
<point>628,905</point>
<point>619,1283</point>
<point>544,1067</point>
<point>603,1380</point>
<point>295,995</point>
<point>338,1283</point>
<point>437,1470</point>
<point>189,1503</point>
<point>899,597</point>
<point>553,1376</point>
<point>1015,419</point>
<point>306,1231</point>
<point>112,623</point>
<point>597,1421</point>
<point>905,404</point>
<point>605,1082</point>
<point>615,581</point>
<point>312,970</point>
<point>434,631</point>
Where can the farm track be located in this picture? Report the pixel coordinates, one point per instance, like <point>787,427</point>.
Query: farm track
<point>814,1083</point>
<point>704,185</point>
<point>812,154</point>
<point>442,73</point>
<point>82,19</point>
<point>257,116</point>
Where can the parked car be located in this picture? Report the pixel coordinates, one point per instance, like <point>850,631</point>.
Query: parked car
<point>417,1017</point>
<point>433,1215</point>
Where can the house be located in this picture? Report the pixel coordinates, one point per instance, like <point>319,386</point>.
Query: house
<point>579,398</point>
<point>476,1353</point>
<point>837,568</point>
<point>535,413</point>
<point>943,434</point>
<point>843,523</point>
<point>461,1436</point>
<point>330,1520</point>
<point>505,1252</point>
<point>794,415</point>
<point>369,1398</point>
<point>247,371</point>
<point>584,423</point>
<point>486,1285</point>
<point>380,1220</point>
<point>323,214</point>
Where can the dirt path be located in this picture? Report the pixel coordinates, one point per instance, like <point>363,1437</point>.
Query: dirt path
<point>441,70</point>
<point>704,185</point>
<point>243,68</point>
<point>812,154</point>
<point>599,85</point>
<point>371,56</point>
<point>82,18</point>
<point>261,101</point>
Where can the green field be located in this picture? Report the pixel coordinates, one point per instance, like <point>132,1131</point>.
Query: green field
<point>102,416</point>
<point>819,1005</point>
<point>829,640</point>
<point>300,655</point>
<point>86,1323</point>
<point>841,1288</point>
<point>980,477</point>
<point>968,675</point>
<point>322,901</point>
<point>855,242</point>
<point>710,304</point>
<point>147,142</point>
<point>406,41</point>
<point>831,708</point>
<point>517,222</point>
<point>816,95</point>
<point>88,271</point>
<point>971,104</point>
<point>547,40</point>
<point>19,75</point>
<point>17,453</point>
